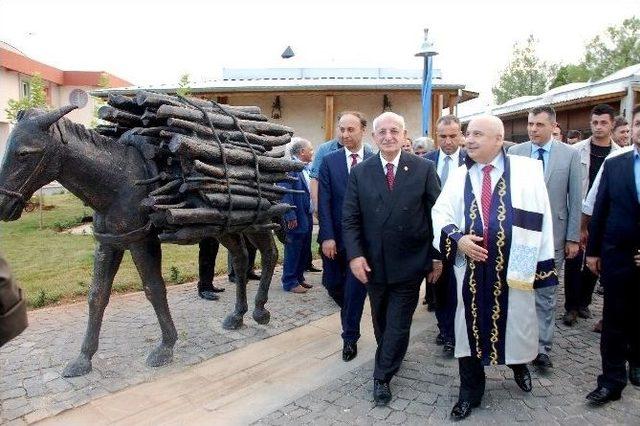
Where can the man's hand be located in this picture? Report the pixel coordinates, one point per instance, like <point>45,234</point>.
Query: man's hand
<point>435,273</point>
<point>329,249</point>
<point>636,259</point>
<point>468,244</point>
<point>571,249</point>
<point>593,263</point>
<point>292,224</point>
<point>360,268</point>
<point>584,237</point>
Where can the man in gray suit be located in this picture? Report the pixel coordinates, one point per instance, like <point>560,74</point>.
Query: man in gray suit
<point>563,177</point>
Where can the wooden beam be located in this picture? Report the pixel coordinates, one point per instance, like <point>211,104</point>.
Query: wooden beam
<point>452,103</point>
<point>436,113</point>
<point>328,117</point>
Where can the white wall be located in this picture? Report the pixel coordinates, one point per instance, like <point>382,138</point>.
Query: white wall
<point>304,112</point>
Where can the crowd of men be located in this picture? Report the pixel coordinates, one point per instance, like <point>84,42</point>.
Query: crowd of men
<point>491,230</point>
<point>492,227</point>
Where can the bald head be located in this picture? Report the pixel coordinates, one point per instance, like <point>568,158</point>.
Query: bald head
<point>485,137</point>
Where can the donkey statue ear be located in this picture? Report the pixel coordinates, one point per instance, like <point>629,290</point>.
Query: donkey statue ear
<point>45,120</point>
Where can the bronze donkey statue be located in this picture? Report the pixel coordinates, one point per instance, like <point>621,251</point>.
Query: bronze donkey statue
<point>102,172</point>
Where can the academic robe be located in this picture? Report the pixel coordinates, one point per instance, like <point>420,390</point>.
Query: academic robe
<point>495,318</point>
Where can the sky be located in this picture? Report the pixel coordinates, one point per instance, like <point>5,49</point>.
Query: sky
<point>154,42</point>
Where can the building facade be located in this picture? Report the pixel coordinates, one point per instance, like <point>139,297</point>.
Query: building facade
<point>61,87</point>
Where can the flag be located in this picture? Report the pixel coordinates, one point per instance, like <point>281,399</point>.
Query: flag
<point>426,95</point>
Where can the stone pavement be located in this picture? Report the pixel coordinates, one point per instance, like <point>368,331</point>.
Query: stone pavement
<point>426,388</point>
<point>31,387</point>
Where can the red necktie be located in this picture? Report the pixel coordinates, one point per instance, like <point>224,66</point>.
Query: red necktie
<point>354,159</point>
<point>390,176</point>
<point>486,201</point>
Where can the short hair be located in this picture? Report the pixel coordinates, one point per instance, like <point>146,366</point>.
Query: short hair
<point>604,109</point>
<point>448,119</point>
<point>559,127</point>
<point>358,114</point>
<point>297,145</point>
<point>619,121</point>
<point>424,142</point>
<point>388,114</point>
<point>551,112</point>
<point>635,110</point>
<point>574,134</point>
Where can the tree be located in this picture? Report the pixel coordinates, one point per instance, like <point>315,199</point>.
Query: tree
<point>526,74</point>
<point>37,98</point>
<point>570,74</point>
<point>617,48</point>
<point>184,85</point>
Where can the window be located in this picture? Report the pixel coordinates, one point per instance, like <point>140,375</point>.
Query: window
<point>25,89</point>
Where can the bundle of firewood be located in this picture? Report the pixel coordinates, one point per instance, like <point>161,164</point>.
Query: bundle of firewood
<point>213,166</point>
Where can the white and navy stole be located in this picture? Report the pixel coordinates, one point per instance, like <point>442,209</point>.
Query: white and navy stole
<point>485,290</point>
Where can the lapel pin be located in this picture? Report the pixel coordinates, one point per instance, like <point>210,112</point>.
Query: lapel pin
<point>406,169</point>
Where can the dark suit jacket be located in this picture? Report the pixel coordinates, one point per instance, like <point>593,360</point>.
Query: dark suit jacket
<point>614,230</point>
<point>391,229</point>
<point>301,202</point>
<point>332,185</point>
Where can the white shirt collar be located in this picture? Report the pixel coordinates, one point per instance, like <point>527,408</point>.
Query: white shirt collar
<point>453,156</point>
<point>395,161</point>
<point>359,152</point>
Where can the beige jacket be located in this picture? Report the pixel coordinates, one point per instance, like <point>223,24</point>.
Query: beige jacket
<point>584,148</point>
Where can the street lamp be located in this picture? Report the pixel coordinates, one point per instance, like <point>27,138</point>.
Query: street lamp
<point>427,51</point>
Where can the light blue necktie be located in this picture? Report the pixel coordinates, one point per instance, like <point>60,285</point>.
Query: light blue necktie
<point>445,169</point>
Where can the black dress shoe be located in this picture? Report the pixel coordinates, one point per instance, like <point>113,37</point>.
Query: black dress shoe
<point>602,395</point>
<point>349,351</point>
<point>440,339</point>
<point>208,295</point>
<point>381,392</point>
<point>462,409</point>
<point>634,375</point>
<point>313,269</point>
<point>253,276</point>
<point>542,360</point>
<point>570,318</point>
<point>584,313</point>
<point>523,378</point>
<point>448,349</point>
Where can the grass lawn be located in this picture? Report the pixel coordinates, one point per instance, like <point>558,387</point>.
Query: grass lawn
<point>56,267</point>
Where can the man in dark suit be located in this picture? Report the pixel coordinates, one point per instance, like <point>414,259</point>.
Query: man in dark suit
<point>612,252</point>
<point>340,283</point>
<point>386,226</point>
<point>448,157</point>
<point>298,222</point>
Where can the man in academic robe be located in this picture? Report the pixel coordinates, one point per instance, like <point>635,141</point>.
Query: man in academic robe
<point>493,220</point>
<point>386,227</point>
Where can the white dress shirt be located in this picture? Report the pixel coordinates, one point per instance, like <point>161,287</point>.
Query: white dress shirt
<point>395,162</point>
<point>476,175</point>
<point>359,153</point>
<point>455,158</point>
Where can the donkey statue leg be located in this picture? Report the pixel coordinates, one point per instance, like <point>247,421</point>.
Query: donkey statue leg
<point>147,256</point>
<point>105,265</point>
<point>235,244</point>
<point>269,255</point>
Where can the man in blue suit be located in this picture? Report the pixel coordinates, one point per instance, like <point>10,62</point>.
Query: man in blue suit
<point>443,294</point>
<point>340,283</point>
<point>298,222</point>
<point>613,252</point>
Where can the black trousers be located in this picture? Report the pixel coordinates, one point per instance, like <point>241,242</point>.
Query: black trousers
<point>207,263</point>
<point>620,338</point>
<point>392,308</point>
<point>472,378</point>
<point>251,251</point>
<point>446,302</point>
<point>579,283</point>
